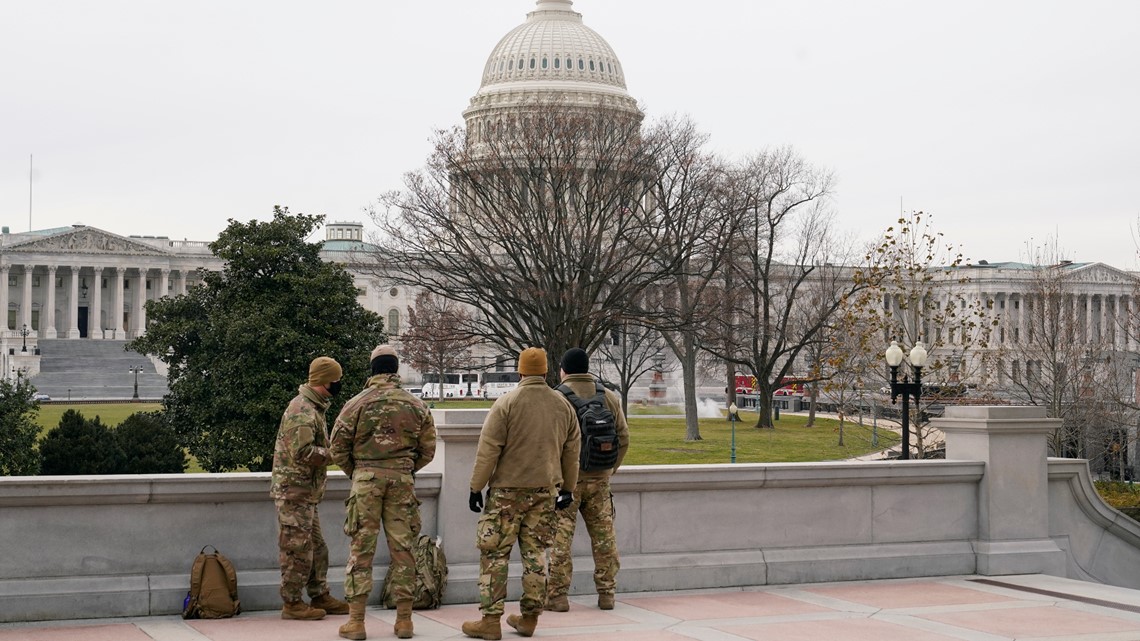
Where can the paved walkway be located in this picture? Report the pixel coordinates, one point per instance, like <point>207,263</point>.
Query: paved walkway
<point>1022,608</point>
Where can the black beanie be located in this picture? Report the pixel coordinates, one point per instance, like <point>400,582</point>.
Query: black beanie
<point>575,361</point>
<point>385,364</point>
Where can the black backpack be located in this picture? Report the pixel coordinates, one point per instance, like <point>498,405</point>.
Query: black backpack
<point>599,429</point>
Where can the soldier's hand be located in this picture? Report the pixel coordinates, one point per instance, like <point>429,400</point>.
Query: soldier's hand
<point>475,502</point>
<point>564,500</point>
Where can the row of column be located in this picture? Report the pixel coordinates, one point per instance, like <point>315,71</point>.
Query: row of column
<point>1111,322</point>
<point>117,287</point>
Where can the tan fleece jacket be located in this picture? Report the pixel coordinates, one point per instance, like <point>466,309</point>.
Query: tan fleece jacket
<point>530,439</point>
<point>583,386</point>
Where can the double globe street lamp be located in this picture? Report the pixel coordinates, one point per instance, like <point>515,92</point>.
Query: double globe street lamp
<point>135,369</point>
<point>894,356</point>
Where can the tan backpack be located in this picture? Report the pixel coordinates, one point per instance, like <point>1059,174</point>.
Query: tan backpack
<point>213,588</point>
<point>431,576</point>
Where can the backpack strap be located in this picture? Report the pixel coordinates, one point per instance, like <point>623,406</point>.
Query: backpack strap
<point>579,403</point>
<point>600,392</point>
<point>196,573</point>
<point>231,576</point>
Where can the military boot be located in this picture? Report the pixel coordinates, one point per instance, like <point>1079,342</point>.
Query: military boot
<point>558,603</point>
<point>606,601</point>
<point>524,624</point>
<point>301,611</point>
<point>403,627</point>
<point>354,629</point>
<point>330,604</point>
<point>488,628</point>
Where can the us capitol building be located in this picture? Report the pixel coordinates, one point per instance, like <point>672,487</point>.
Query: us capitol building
<point>84,284</point>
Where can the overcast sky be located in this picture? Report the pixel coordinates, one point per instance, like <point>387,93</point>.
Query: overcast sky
<point>1013,123</point>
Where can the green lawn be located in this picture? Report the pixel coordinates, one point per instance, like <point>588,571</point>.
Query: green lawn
<point>654,440</point>
<point>109,413</point>
<point>662,440</point>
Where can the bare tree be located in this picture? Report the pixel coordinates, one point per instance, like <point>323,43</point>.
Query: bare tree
<point>1055,354</point>
<point>688,196</point>
<point>783,248</point>
<point>437,338</point>
<point>539,222</point>
<point>630,354</point>
<point>915,289</point>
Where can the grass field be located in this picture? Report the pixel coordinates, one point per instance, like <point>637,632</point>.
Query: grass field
<point>655,440</point>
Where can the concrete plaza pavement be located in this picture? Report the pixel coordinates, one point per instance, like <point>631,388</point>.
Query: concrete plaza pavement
<point>964,608</point>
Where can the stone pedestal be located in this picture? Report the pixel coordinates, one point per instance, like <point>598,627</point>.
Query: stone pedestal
<point>1013,495</point>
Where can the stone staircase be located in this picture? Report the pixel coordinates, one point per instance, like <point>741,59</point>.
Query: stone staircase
<point>95,370</point>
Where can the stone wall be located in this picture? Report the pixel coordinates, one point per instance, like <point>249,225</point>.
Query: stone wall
<point>80,547</point>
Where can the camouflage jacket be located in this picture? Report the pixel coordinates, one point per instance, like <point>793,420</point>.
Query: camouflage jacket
<point>383,426</point>
<point>301,453</point>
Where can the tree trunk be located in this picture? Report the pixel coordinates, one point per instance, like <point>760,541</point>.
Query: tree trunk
<point>689,378</point>
<point>813,394</point>
<point>764,407</point>
<point>730,386</point>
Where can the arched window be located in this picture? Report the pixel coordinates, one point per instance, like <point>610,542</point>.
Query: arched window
<point>581,64</point>
<point>558,63</point>
<point>532,63</point>
<point>569,63</point>
<point>393,322</point>
<point>545,62</point>
<point>511,66</point>
<point>591,65</point>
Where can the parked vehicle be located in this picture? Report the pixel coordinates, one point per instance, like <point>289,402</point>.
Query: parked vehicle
<point>495,384</point>
<point>40,397</point>
<point>455,385</point>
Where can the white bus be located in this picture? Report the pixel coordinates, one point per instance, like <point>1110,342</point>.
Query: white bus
<point>455,385</point>
<point>495,384</point>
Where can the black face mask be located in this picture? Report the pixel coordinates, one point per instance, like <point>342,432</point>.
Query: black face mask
<point>334,388</point>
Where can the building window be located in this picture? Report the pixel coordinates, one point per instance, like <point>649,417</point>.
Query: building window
<point>591,65</point>
<point>126,283</point>
<point>581,64</point>
<point>59,281</point>
<point>393,292</point>
<point>545,63</point>
<point>35,281</point>
<point>558,63</point>
<point>104,283</point>
<point>394,322</point>
<point>532,63</point>
<point>11,281</point>
<point>148,284</point>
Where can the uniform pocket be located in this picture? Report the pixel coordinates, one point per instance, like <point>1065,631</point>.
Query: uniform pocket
<point>351,515</point>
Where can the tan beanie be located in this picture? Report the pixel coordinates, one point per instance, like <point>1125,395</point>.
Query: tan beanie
<point>383,350</point>
<point>532,362</point>
<point>323,370</point>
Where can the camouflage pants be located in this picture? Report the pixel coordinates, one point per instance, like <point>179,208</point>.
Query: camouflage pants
<point>525,515</point>
<point>593,498</point>
<point>303,555</point>
<point>381,498</point>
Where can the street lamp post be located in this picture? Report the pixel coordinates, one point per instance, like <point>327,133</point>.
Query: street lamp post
<point>894,356</point>
<point>24,333</point>
<point>732,410</point>
<point>135,369</point>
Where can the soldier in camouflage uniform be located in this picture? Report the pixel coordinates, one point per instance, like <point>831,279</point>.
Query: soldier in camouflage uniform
<point>299,460</point>
<point>381,438</point>
<point>528,450</point>
<point>593,498</point>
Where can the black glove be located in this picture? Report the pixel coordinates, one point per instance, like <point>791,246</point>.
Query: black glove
<point>564,500</point>
<point>475,502</point>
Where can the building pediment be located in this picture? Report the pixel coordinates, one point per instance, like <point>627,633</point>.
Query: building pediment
<point>1101,273</point>
<point>86,240</point>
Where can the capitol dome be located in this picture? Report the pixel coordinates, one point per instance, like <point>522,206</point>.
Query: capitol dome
<point>552,58</point>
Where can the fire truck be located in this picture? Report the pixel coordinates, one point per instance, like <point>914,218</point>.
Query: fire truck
<point>789,386</point>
